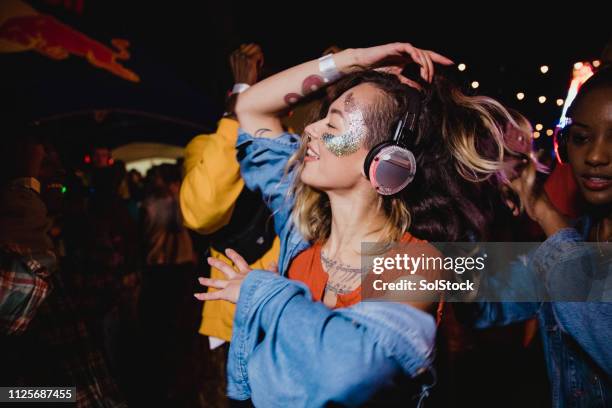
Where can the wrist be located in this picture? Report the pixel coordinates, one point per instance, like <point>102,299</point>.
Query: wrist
<point>240,87</point>
<point>346,59</point>
<point>230,106</point>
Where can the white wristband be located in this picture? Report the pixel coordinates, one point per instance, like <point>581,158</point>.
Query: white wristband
<point>240,87</point>
<point>328,69</point>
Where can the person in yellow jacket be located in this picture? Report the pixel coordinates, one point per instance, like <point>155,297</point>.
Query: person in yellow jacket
<point>215,202</point>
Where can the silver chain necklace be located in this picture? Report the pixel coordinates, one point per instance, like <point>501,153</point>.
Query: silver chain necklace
<point>344,278</point>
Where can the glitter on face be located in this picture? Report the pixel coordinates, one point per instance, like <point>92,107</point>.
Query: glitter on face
<point>350,141</point>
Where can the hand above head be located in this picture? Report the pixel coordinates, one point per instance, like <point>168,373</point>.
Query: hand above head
<point>534,200</point>
<point>246,63</point>
<point>395,56</point>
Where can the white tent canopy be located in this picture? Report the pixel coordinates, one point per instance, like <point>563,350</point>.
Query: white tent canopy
<point>143,156</point>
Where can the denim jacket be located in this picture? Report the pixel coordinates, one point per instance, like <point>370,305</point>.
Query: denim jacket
<point>287,350</point>
<point>577,336</point>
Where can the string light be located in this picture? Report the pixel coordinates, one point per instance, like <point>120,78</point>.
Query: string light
<point>539,126</point>
<point>549,132</point>
<point>520,96</point>
<point>461,67</point>
<point>475,84</point>
<point>542,99</point>
<point>544,69</point>
<point>560,102</point>
<point>596,63</point>
<point>578,65</point>
<point>536,135</point>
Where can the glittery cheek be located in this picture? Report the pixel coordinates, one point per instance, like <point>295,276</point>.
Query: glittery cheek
<point>350,141</point>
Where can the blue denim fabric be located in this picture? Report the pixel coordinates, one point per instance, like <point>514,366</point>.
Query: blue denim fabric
<point>263,165</point>
<point>577,336</point>
<point>288,351</point>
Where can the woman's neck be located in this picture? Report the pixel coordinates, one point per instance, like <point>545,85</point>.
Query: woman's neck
<point>355,219</point>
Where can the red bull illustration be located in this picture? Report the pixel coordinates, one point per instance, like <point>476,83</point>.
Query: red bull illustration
<point>50,37</point>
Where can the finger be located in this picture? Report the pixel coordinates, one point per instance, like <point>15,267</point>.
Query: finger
<point>390,70</point>
<point>213,283</point>
<point>409,82</point>
<point>419,59</point>
<point>238,260</point>
<point>406,48</point>
<point>249,49</point>
<point>243,57</point>
<point>430,64</point>
<point>424,66</point>
<point>218,295</point>
<point>510,204</point>
<point>256,48</point>
<point>258,58</point>
<point>440,59</point>
<point>227,270</point>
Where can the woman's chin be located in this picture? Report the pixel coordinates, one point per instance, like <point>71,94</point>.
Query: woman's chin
<point>312,180</point>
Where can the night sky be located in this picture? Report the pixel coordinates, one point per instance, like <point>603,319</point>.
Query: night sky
<point>181,48</point>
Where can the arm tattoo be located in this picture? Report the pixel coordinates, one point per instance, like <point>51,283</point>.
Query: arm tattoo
<point>260,132</point>
<point>312,83</point>
<point>292,98</point>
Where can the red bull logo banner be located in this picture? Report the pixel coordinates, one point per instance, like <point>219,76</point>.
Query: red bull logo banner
<point>22,29</point>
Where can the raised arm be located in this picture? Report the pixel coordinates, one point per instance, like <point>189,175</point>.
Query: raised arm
<point>258,108</point>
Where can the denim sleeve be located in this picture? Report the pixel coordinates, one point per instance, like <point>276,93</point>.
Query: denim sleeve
<point>517,282</point>
<point>564,266</point>
<point>569,268</point>
<point>289,351</point>
<point>263,164</point>
<point>590,325</point>
<point>567,264</point>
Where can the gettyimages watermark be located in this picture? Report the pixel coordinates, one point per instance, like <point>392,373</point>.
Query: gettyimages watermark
<point>487,271</point>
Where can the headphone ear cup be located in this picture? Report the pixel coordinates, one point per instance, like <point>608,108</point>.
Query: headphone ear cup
<point>371,155</point>
<point>391,168</point>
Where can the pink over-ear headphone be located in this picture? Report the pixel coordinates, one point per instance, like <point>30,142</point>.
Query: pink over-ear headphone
<point>390,166</point>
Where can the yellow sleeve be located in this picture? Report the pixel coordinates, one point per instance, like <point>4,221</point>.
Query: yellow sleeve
<point>218,315</point>
<point>212,179</point>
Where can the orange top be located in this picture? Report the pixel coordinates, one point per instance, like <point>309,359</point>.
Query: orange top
<point>307,268</point>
